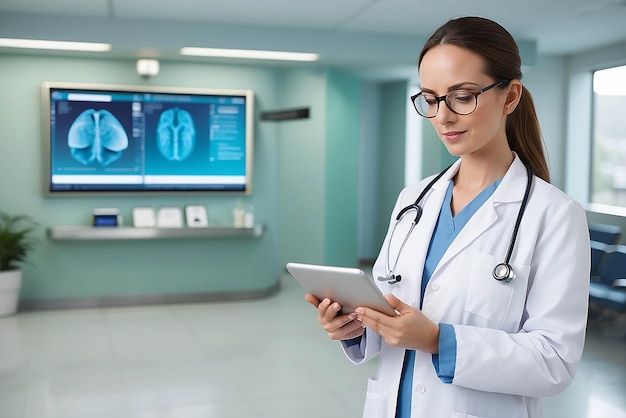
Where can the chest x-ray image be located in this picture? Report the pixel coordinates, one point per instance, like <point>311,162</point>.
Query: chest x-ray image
<point>97,135</point>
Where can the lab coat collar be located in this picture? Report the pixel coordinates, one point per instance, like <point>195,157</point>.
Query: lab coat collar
<point>513,184</point>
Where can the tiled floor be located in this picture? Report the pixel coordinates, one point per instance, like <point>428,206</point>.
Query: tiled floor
<point>265,358</point>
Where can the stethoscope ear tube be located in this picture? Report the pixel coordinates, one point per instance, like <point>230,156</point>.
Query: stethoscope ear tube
<point>391,277</point>
<point>418,212</point>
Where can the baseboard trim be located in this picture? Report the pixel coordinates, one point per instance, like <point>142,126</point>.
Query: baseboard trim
<point>144,300</point>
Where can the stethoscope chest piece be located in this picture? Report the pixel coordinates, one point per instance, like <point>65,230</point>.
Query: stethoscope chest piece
<point>503,272</point>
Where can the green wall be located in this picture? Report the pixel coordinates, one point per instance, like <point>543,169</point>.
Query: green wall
<point>392,137</point>
<point>294,161</point>
<point>63,269</point>
<point>302,153</point>
<point>318,168</point>
<point>340,244</point>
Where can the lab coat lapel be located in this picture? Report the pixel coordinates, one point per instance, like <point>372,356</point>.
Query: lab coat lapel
<point>511,189</point>
<point>482,219</point>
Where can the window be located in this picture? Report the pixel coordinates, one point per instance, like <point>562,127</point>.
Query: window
<point>608,164</point>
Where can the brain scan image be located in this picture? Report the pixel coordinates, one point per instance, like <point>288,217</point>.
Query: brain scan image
<point>176,134</point>
<point>97,135</point>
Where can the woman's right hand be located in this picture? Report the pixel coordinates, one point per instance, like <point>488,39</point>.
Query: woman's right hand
<point>338,326</point>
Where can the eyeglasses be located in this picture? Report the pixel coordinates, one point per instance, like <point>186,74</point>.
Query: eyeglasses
<point>461,102</point>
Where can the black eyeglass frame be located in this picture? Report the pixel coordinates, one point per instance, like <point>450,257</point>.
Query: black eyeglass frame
<point>444,98</point>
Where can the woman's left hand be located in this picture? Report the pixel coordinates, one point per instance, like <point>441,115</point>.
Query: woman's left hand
<point>409,329</point>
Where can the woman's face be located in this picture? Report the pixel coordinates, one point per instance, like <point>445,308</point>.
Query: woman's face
<point>445,68</point>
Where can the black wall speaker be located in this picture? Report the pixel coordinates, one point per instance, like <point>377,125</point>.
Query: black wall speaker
<point>290,114</point>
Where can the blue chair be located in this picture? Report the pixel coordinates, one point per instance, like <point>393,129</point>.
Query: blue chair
<point>598,252</point>
<point>608,234</point>
<point>608,288</point>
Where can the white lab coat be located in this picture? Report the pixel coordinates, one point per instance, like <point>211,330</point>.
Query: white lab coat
<point>516,342</point>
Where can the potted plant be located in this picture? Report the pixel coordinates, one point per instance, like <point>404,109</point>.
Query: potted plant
<point>16,241</point>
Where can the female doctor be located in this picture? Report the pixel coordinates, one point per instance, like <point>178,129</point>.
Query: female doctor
<point>491,281</point>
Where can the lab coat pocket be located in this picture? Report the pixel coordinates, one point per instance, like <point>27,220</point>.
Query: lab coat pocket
<point>496,302</point>
<point>464,415</point>
<point>375,402</point>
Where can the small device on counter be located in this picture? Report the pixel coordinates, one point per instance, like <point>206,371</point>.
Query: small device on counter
<point>108,217</point>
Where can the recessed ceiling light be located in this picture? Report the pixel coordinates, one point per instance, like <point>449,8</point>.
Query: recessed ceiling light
<point>57,45</point>
<point>249,54</point>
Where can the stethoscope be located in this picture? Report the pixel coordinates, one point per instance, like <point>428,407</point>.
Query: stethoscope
<point>502,272</point>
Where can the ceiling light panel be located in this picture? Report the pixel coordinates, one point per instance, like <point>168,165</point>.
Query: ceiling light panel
<point>249,54</point>
<point>56,45</point>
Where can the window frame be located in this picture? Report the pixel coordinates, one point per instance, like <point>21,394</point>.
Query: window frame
<point>580,123</point>
<point>604,208</point>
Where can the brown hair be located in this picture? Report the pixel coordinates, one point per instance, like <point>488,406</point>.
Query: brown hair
<point>503,62</point>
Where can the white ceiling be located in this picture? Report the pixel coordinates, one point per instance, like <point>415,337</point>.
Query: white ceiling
<point>354,27</point>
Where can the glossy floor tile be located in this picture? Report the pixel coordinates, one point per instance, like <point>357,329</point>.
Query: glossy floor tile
<point>262,358</point>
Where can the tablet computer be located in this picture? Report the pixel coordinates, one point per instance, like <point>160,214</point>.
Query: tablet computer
<point>350,287</point>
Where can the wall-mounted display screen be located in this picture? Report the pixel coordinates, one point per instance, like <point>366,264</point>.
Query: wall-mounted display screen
<point>105,138</point>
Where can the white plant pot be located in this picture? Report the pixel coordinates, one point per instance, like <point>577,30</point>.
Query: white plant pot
<point>10,283</point>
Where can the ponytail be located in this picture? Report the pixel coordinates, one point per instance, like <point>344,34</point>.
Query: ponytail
<point>524,136</point>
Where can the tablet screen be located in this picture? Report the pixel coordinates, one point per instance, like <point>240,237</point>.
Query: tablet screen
<point>350,287</point>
